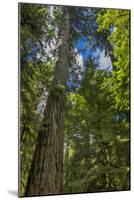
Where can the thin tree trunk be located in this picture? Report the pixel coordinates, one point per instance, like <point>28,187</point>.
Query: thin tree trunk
<point>46,174</point>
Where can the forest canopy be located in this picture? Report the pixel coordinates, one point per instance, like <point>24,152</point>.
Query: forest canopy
<point>74,99</point>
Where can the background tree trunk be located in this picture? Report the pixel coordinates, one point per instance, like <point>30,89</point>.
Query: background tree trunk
<point>46,174</point>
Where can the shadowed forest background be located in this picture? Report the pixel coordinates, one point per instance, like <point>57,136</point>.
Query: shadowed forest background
<point>74,99</point>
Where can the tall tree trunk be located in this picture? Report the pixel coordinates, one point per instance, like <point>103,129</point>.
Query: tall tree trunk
<point>46,174</point>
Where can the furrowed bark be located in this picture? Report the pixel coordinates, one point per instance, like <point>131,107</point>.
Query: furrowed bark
<point>46,174</point>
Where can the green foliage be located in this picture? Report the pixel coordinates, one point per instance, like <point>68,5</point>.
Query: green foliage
<point>96,143</point>
<point>117,21</point>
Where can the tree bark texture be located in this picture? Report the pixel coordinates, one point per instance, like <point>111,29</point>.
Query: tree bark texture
<point>46,174</point>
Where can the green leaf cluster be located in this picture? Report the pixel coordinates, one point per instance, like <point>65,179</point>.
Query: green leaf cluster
<point>118,23</point>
